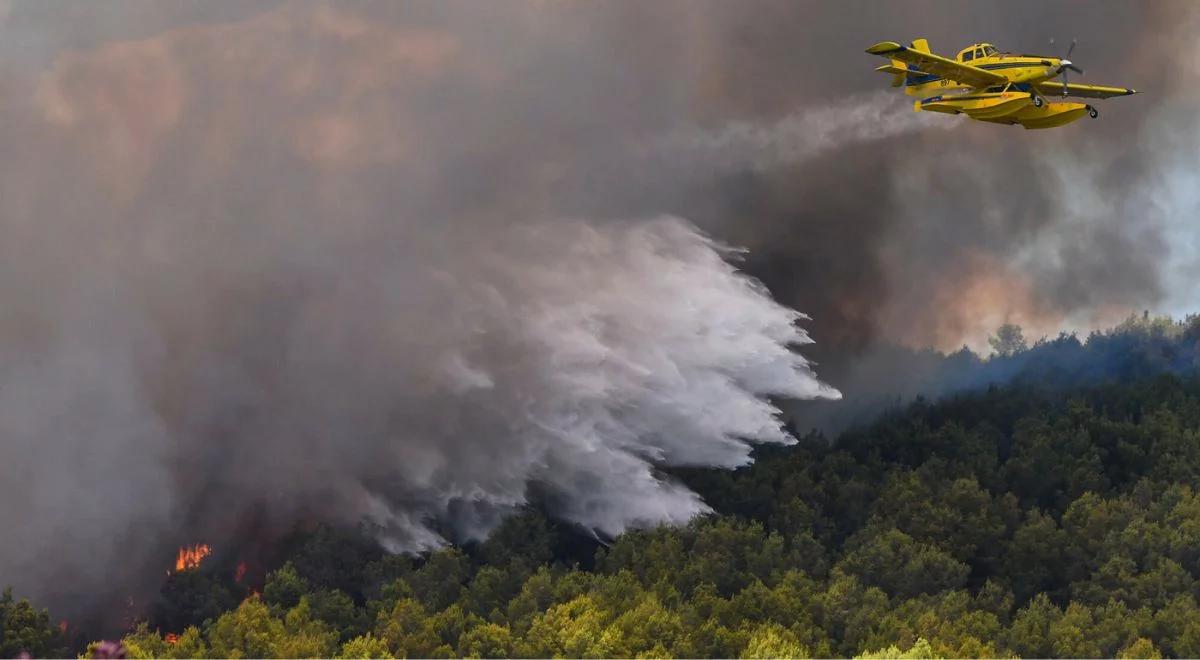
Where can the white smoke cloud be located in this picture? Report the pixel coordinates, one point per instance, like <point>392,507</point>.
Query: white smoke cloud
<point>574,355</point>
<point>433,385</point>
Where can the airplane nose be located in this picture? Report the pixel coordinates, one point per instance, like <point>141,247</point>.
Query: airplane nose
<point>1065,63</point>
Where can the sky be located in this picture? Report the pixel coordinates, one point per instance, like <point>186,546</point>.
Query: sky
<point>421,262</point>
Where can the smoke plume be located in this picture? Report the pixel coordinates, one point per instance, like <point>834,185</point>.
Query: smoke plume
<point>410,261</point>
<point>209,316</point>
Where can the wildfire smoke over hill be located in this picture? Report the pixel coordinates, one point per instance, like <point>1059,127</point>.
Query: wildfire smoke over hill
<point>265,263</point>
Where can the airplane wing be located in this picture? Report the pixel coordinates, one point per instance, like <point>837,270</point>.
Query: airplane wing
<point>938,65</point>
<point>1050,88</point>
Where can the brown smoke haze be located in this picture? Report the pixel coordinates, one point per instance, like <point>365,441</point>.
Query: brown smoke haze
<point>402,261</point>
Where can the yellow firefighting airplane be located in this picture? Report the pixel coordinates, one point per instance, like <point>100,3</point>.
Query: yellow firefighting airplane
<point>988,85</point>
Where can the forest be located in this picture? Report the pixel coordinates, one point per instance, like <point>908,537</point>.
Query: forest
<point>1053,511</point>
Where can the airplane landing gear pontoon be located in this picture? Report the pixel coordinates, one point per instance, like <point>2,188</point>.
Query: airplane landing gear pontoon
<point>1092,112</point>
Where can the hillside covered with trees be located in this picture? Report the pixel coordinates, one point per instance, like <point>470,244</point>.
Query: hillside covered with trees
<point>1056,513</point>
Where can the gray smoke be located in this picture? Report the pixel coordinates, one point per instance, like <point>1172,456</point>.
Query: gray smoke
<point>239,286</point>
<point>409,261</point>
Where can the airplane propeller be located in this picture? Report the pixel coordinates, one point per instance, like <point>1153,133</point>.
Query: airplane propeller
<point>1065,64</point>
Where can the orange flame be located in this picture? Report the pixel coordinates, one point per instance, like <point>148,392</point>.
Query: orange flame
<point>240,573</point>
<point>191,556</point>
<point>62,625</point>
<point>171,638</point>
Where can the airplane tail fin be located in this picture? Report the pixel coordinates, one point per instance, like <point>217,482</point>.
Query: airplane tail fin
<point>898,69</point>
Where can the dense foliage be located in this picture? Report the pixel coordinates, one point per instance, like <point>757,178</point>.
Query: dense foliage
<point>25,629</point>
<point>1044,517</point>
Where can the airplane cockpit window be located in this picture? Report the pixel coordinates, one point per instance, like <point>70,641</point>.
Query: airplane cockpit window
<point>968,56</point>
<point>978,53</point>
<point>990,50</point>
